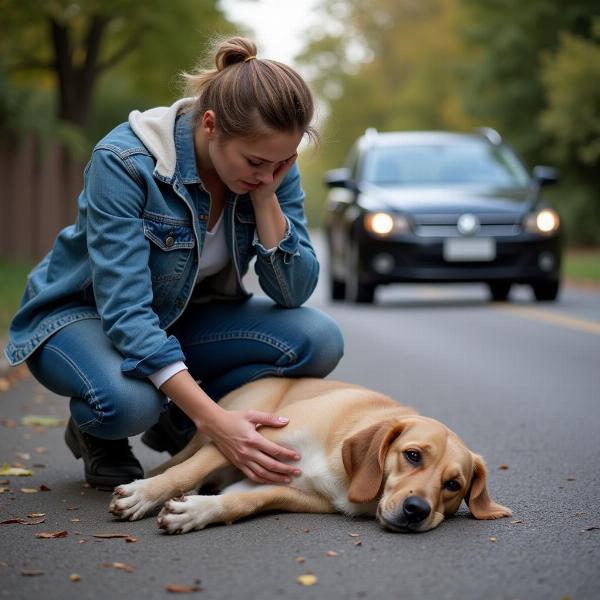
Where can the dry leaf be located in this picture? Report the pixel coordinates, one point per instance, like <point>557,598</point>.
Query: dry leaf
<point>359,543</point>
<point>131,539</point>
<point>23,455</point>
<point>31,572</point>
<point>300,559</point>
<point>75,520</point>
<point>571,479</point>
<point>44,488</point>
<point>74,577</point>
<point>30,490</point>
<point>4,489</point>
<point>10,423</point>
<point>5,482</point>
<point>118,565</point>
<point>503,467</point>
<point>492,538</point>
<point>72,507</point>
<point>354,534</point>
<point>35,515</point>
<point>307,579</point>
<point>6,469</point>
<point>42,421</point>
<point>331,553</point>
<point>51,535</point>
<point>107,536</point>
<point>41,450</point>
<point>176,588</point>
<point>306,530</point>
<point>516,521</point>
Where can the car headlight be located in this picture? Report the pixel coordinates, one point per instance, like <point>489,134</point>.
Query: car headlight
<point>544,221</point>
<point>383,224</point>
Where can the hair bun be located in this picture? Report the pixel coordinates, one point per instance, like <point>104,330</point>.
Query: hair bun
<point>234,50</point>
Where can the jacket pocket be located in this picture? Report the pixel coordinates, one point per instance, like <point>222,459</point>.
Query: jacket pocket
<point>171,247</point>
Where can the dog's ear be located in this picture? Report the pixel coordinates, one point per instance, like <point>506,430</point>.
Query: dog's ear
<point>364,456</point>
<point>477,498</point>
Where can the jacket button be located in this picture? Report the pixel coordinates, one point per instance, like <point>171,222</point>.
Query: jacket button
<point>169,241</point>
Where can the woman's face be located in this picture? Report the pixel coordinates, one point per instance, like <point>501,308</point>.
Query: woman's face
<point>243,164</point>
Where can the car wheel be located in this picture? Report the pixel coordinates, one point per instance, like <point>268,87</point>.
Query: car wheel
<point>356,290</point>
<point>499,290</point>
<point>337,288</point>
<point>546,291</point>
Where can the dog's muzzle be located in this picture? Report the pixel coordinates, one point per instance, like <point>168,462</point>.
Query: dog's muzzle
<point>414,511</point>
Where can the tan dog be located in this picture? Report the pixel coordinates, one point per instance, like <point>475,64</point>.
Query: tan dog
<point>362,453</point>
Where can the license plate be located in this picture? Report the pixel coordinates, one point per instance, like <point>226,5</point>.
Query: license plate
<point>469,249</point>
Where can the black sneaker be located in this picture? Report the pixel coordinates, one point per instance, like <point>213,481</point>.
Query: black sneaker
<point>107,463</point>
<point>167,436</point>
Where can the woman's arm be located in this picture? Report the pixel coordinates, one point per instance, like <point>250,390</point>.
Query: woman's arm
<point>234,432</point>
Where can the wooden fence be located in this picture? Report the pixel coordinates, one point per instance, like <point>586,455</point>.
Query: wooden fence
<point>39,187</point>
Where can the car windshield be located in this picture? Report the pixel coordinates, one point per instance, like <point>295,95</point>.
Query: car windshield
<point>444,164</point>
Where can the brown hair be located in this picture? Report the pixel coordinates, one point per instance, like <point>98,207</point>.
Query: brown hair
<point>251,96</point>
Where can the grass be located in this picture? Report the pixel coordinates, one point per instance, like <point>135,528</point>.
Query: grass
<point>12,282</point>
<point>580,265</point>
<point>583,265</point>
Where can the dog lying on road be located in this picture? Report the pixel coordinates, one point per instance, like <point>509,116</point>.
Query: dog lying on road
<point>362,453</point>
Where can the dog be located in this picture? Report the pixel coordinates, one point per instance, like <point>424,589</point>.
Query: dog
<point>362,453</point>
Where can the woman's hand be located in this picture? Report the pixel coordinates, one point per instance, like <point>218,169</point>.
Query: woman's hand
<point>235,435</point>
<point>265,191</point>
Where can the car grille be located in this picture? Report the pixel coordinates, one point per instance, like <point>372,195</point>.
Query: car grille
<point>444,226</point>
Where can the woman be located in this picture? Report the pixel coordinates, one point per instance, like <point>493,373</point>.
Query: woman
<point>139,309</point>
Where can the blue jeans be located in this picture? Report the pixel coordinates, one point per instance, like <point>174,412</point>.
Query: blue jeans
<point>225,344</point>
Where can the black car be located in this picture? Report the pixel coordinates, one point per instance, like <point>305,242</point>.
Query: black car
<point>439,207</point>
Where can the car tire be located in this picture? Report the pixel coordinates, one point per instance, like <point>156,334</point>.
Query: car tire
<point>546,291</point>
<point>356,291</point>
<point>337,288</point>
<point>499,290</point>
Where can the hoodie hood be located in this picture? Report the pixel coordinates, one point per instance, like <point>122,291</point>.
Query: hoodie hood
<point>155,128</point>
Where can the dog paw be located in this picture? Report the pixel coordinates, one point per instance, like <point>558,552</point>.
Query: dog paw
<point>132,501</point>
<point>180,515</point>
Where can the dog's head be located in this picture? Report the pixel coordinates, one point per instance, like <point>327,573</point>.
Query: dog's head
<point>421,469</point>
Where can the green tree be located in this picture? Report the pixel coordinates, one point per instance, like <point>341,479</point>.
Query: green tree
<point>69,46</point>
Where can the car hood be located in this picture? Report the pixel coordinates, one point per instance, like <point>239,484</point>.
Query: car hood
<point>439,200</point>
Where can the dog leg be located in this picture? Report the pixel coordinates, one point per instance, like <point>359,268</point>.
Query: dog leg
<point>198,441</point>
<point>134,500</point>
<point>196,512</point>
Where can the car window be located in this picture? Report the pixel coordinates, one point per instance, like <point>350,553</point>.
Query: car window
<point>444,164</point>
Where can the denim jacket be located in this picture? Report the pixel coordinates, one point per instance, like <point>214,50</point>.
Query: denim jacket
<point>131,258</point>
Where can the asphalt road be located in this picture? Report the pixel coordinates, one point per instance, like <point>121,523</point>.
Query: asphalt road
<point>519,382</point>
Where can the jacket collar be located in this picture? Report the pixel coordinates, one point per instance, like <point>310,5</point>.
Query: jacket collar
<point>187,168</point>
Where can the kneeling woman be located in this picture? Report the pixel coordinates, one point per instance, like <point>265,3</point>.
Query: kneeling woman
<point>139,313</point>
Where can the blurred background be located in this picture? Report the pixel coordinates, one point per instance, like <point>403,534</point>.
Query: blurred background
<point>71,71</point>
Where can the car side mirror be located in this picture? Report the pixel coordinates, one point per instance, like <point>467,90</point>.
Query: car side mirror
<point>545,175</point>
<point>339,178</point>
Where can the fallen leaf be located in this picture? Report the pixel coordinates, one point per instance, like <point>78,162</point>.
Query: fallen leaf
<point>41,450</point>
<point>82,541</point>
<point>6,469</point>
<point>516,521</point>
<point>176,588</point>
<point>75,520</point>
<point>359,543</point>
<point>23,455</point>
<point>300,559</point>
<point>503,467</point>
<point>10,521</point>
<point>307,579</point>
<point>4,489</point>
<point>10,423</point>
<point>29,490</point>
<point>72,507</point>
<point>5,482</point>
<point>31,572</point>
<point>492,538</point>
<point>74,577</point>
<point>107,536</point>
<point>131,539</point>
<point>52,535</point>
<point>571,479</point>
<point>354,534</point>
<point>42,421</point>
<point>44,488</point>
<point>331,553</point>
<point>118,565</point>
<point>35,515</point>
<point>306,530</point>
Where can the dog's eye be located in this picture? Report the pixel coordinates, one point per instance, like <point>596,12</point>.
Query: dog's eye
<point>413,456</point>
<point>452,485</point>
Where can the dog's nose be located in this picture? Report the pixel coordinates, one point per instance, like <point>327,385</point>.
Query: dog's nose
<point>416,509</point>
